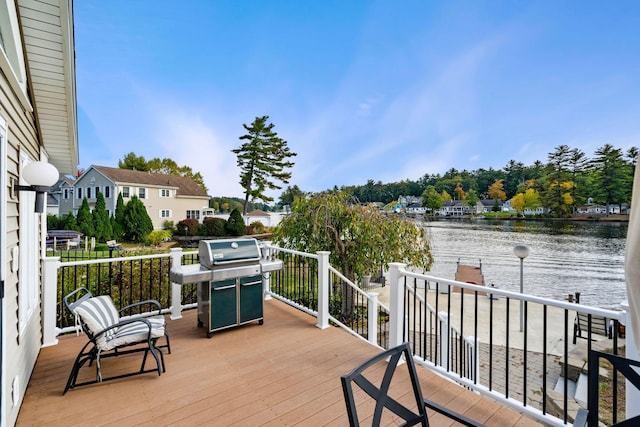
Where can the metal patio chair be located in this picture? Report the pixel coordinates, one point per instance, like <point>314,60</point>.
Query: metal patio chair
<point>110,335</point>
<point>380,393</point>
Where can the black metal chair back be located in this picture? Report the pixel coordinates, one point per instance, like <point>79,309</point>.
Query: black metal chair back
<point>380,393</point>
<point>399,357</point>
<point>628,368</point>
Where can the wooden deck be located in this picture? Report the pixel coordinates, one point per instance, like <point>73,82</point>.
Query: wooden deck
<point>285,372</point>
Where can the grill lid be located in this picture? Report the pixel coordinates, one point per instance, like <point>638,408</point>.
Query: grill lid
<point>214,253</point>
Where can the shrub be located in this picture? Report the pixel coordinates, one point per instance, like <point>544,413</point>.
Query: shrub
<point>257,227</point>
<point>156,237</point>
<point>168,225</point>
<point>235,224</point>
<point>214,226</point>
<point>187,227</point>
<point>100,247</point>
<point>137,223</point>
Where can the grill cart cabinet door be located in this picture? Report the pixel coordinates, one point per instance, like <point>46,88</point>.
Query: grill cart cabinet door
<point>250,298</point>
<point>223,304</point>
<point>231,302</point>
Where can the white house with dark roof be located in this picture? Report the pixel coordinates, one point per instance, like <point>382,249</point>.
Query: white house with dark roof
<point>166,197</point>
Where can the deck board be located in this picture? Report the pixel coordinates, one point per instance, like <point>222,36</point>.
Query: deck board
<point>285,372</point>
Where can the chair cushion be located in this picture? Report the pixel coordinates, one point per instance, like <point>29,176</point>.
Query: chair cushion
<point>98,313</point>
<point>135,332</point>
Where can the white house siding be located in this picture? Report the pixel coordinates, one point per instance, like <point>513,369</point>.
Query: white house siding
<point>28,137</point>
<point>179,207</point>
<point>20,349</point>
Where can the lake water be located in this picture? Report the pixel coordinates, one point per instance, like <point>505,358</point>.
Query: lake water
<point>564,257</point>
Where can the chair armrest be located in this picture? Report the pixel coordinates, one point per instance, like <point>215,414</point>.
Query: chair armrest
<point>138,304</point>
<point>451,414</point>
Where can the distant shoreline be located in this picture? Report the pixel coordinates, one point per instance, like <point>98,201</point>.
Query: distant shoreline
<point>575,218</point>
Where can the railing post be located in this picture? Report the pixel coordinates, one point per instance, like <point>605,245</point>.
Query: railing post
<point>396,304</point>
<point>372,318</point>
<point>267,252</point>
<point>443,318</point>
<point>323,289</point>
<point>632,394</point>
<point>49,300</point>
<point>176,289</point>
<point>474,360</point>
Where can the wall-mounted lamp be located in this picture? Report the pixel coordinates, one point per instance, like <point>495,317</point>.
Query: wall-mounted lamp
<point>40,176</point>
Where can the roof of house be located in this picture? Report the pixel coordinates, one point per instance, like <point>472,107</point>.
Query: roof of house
<point>185,186</point>
<point>47,31</point>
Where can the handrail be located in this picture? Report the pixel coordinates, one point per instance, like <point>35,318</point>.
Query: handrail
<point>612,314</point>
<point>354,286</point>
<point>111,260</point>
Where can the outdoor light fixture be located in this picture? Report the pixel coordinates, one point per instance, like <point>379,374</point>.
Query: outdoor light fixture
<point>521,251</point>
<point>40,176</point>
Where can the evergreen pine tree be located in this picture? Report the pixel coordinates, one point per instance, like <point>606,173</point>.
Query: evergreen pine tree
<point>69,222</point>
<point>85,219</point>
<point>101,222</point>
<point>235,224</point>
<point>263,160</point>
<point>137,224</point>
<point>117,222</point>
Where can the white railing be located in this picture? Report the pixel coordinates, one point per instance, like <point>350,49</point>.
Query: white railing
<point>398,275</point>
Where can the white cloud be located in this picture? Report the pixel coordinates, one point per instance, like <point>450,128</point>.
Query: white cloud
<point>190,141</point>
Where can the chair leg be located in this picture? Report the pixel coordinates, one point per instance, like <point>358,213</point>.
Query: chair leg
<point>81,359</point>
<point>160,366</point>
<point>166,336</point>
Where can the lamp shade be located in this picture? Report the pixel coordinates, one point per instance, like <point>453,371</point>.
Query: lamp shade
<point>521,251</point>
<point>40,174</point>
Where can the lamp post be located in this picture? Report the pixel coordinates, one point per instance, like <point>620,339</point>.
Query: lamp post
<point>521,251</point>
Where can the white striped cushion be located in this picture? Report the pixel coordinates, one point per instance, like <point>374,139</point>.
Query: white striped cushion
<point>135,332</point>
<point>98,313</point>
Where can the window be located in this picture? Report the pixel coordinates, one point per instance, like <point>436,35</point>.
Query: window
<point>79,193</point>
<point>107,191</point>
<point>142,192</point>
<point>125,191</point>
<point>165,213</point>
<point>165,192</point>
<point>66,193</point>
<point>88,192</point>
<point>193,214</point>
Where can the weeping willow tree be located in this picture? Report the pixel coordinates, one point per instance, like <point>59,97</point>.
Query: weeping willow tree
<point>360,238</point>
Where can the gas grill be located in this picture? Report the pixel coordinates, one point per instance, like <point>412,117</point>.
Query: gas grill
<point>229,278</point>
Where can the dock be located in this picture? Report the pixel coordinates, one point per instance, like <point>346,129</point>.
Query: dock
<point>469,274</point>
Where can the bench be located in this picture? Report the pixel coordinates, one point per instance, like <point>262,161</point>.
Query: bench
<point>113,245</point>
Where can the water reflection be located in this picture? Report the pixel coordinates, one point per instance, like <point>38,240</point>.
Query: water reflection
<point>565,257</point>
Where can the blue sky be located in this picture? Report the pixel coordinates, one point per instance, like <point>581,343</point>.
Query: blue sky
<point>382,90</point>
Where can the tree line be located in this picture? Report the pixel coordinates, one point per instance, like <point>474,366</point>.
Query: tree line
<point>130,221</point>
<point>567,180</point>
